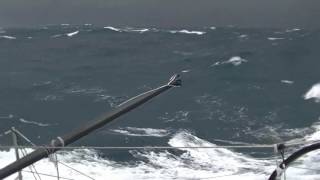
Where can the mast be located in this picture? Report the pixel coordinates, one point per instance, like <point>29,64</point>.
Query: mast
<point>61,141</point>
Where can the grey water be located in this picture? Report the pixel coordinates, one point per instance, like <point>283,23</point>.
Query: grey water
<point>240,85</point>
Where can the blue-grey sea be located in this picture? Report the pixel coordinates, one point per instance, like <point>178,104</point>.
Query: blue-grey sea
<point>241,86</point>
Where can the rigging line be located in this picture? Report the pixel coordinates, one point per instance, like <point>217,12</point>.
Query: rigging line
<point>301,143</point>
<point>77,170</point>
<point>33,173</point>
<point>141,147</point>
<point>311,169</point>
<point>24,152</point>
<point>55,161</point>
<point>23,136</point>
<point>213,177</point>
<point>49,175</point>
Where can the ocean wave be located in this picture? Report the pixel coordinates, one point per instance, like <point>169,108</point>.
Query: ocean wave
<point>127,29</point>
<point>184,31</point>
<point>313,93</point>
<point>10,116</point>
<point>293,30</point>
<point>72,33</point>
<point>34,122</point>
<point>80,90</point>
<point>243,36</point>
<point>8,37</point>
<point>179,116</point>
<point>235,60</point>
<point>134,131</point>
<point>113,28</point>
<point>192,163</point>
<point>287,81</point>
<point>275,38</point>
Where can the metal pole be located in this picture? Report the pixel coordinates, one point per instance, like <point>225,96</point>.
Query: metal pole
<point>15,144</point>
<point>76,134</point>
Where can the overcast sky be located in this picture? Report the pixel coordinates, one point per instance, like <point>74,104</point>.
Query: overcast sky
<point>162,13</point>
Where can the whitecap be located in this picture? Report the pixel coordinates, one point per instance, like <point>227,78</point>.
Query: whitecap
<point>186,71</point>
<point>313,93</point>
<point>143,30</point>
<point>33,122</point>
<point>10,116</point>
<point>213,28</point>
<point>287,81</point>
<point>184,31</point>
<point>65,24</point>
<point>8,37</point>
<point>243,36</point>
<point>113,28</point>
<point>72,33</point>
<point>191,163</point>
<point>56,35</point>
<point>235,60</point>
<point>274,38</point>
<point>293,30</point>
<point>134,131</point>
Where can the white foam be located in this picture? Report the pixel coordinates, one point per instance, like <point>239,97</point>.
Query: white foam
<point>142,30</point>
<point>72,33</point>
<point>113,28</point>
<point>274,38</point>
<point>134,131</point>
<point>313,93</point>
<point>8,37</point>
<point>287,81</point>
<point>213,163</point>
<point>65,24</point>
<point>33,122</point>
<point>10,116</point>
<point>56,35</point>
<point>184,31</point>
<point>293,30</point>
<point>186,71</point>
<point>243,36</point>
<point>213,28</point>
<point>235,60</point>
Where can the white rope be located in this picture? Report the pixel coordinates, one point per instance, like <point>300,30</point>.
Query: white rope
<point>141,147</point>
<point>76,170</point>
<point>24,153</point>
<point>49,175</point>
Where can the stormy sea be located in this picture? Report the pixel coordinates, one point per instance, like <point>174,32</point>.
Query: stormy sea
<point>241,87</point>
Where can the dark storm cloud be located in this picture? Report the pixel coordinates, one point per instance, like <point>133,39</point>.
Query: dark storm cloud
<point>162,13</point>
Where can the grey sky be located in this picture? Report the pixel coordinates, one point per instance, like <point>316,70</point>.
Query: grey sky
<point>162,13</point>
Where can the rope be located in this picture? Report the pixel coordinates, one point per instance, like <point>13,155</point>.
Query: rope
<point>305,168</point>
<point>49,175</point>
<point>213,177</point>
<point>142,147</point>
<point>76,171</point>
<point>24,153</point>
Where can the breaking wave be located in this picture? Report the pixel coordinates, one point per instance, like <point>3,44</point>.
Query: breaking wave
<point>313,93</point>
<point>236,61</point>
<point>189,164</point>
<point>134,131</point>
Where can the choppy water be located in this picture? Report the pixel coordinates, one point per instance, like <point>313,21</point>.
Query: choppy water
<point>240,86</point>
